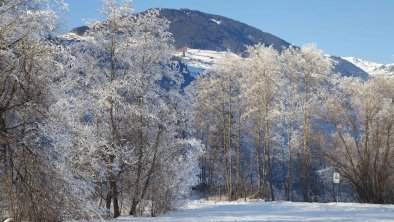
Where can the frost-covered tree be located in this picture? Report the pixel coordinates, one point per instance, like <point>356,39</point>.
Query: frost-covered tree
<point>302,118</point>
<point>101,84</point>
<point>218,108</point>
<point>204,92</point>
<point>268,101</point>
<point>314,71</point>
<point>261,90</point>
<point>32,181</point>
<point>308,79</point>
<point>361,144</point>
<point>291,112</point>
<point>228,72</point>
<point>123,114</point>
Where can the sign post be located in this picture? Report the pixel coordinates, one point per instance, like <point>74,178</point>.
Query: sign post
<point>336,178</point>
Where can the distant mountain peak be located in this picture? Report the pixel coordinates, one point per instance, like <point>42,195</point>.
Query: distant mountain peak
<point>372,68</point>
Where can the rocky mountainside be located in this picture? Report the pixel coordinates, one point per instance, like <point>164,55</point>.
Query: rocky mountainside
<point>198,30</point>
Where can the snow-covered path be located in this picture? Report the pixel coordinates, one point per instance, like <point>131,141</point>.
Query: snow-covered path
<point>202,211</point>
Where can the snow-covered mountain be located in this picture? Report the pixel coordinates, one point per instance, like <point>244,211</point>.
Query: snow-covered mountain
<point>202,39</point>
<point>372,68</point>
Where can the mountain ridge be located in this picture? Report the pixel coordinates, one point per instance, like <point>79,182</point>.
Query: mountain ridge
<point>198,30</point>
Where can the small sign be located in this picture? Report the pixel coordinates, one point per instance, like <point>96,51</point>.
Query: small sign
<point>336,177</point>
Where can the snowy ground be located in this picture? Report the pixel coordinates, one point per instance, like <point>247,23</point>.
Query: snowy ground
<point>201,59</point>
<point>202,211</point>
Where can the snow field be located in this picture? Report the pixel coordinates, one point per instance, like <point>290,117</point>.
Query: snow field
<point>202,211</point>
<point>202,59</point>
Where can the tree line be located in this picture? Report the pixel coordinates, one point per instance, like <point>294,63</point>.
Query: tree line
<point>277,125</point>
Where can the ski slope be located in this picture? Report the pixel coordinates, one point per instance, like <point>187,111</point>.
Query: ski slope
<point>202,211</point>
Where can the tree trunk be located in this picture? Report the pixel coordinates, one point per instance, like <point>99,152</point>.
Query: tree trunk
<point>258,166</point>
<point>108,200</point>
<point>305,152</point>
<point>133,209</point>
<point>290,168</point>
<point>114,193</point>
<point>238,160</point>
<point>267,151</point>
<point>137,187</point>
<point>230,165</point>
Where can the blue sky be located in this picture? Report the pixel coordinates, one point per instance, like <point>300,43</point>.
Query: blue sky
<point>360,28</point>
